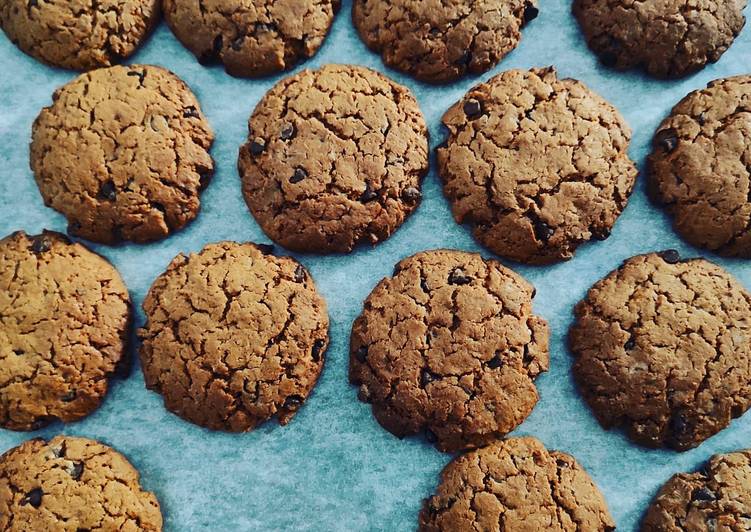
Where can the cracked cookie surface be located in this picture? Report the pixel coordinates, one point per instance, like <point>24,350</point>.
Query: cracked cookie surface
<point>515,484</point>
<point>449,346</point>
<point>700,166</point>
<point>717,498</point>
<point>334,157</point>
<point>663,348</point>
<point>72,484</point>
<point>536,164</point>
<point>668,38</point>
<point>78,34</point>
<point>234,336</point>
<point>122,152</point>
<point>64,321</point>
<point>251,37</point>
<point>442,40</point>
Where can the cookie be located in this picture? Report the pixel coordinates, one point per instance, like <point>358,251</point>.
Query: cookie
<point>536,164</point>
<point>700,167</point>
<point>123,153</point>
<point>663,348</point>
<point>251,37</point>
<point>668,39</point>
<point>63,329</point>
<point>78,34</point>
<point>515,484</point>
<point>449,346</point>
<point>717,498</point>
<point>73,484</point>
<point>334,157</point>
<point>440,41</point>
<point>234,336</point>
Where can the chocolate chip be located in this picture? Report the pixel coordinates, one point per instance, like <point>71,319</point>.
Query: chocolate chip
<point>424,285</point>
<point>458,277</point>
<point>465,59</point>
<point>362,353</point>
<point>369,194</point>
<point>671,256</point>
<point>212,55</point>
<point>287,132</point>
<point>411,194</point>
<point>18,352</point>
<point>68,397</point>
<point>266,249</point>
<point>41,244</point>
<point>543,231</point>
<point>600,234</point>
<point>317,347</point>
<point>630,343</point>
<point>59,452</point>
<point>430,436</point>
<point>237,43</point>
<point>426,378</point>
<point>140,74</point>
<point>257,146</point>
<point>76,470</point>
<point>190,112</point>
<point>530,13</point>
<point>363,394</point>
<point>299,274</point>
<point>293,402</point>
<point>495,362</point>
<point>701,118</point>
<point>298,175</point>
<point>34,498</point>
<point>667,139</point>
<point>472,108</point>
<point>678,425</point>
<point>703,495</point>
<point>108,191</point>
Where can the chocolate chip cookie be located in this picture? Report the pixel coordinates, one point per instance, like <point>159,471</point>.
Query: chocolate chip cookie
<point>438,40</point>
<point>449,346</point>
<point>251,37</point>
<point>234,336</point>
<point>123,153</point>
<point>515,484</point>
<point>63,329</point>
<point>663,348</point>
<point>668,38</point>
<point>73,484</point>
<point>536,164</point>
<point>78,34</point>
<point>334,157</point>
<point>700,166</point>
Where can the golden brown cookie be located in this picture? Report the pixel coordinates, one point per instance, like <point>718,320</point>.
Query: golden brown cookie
<point>536,164</point>
<point>442,40</point>
<point>449,346</point>
<point>123,153</point>
<point>234,336</point>
<point>516,485</point>
<point>334,157</point>
<point>72,484</point>
<point>251,37</point>
<point>700,166</point>
<point>64,321</point>
<point>78,34</point>
<point>663,348</point>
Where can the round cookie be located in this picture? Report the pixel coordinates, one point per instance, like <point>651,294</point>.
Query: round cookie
<point>78,34</point>
<point>536,164</point>
<point>438,40</point>
<point>73,484</point>
<point>717,498</point>
<point>449,346</point>
<point>515,484</point>
<point>334,157</point>
<point>234,336</point>
<point>668,38</point>
<point>122,152</point>
<point>700,167</point>
<point>63,329</point>
<point>251,37</point>
<point>663,348</point>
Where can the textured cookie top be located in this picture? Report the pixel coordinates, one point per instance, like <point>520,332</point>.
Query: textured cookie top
<point>440,40</point>
<point>516,484</point>
<point>717,498</point>
<point>663,347</point>
<point>64,320</point>
<point>233,336</point>
<point>122,152</point>
<point>251,37</point>
<point>72,484</point>
<point>78,34</point>
<point>668,38</point>
<point>449,345</point>
<point>700,166</point>
<point>536,164</point>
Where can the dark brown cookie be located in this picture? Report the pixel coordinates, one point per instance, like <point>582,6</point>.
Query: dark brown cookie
<point>668,38</point>
<point>700,166</point>
<point>440,40</point>
<point>251,37</point>
<point>78,34</point>
<point>334,157</point>
<point>234,336</point>
<point>70,484</point>
<point>538,165</point>
<point>663,347</point>
<point>63,329</point>
<point>449,346</point>
<point>515,485</point>
<point>122,152</point>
